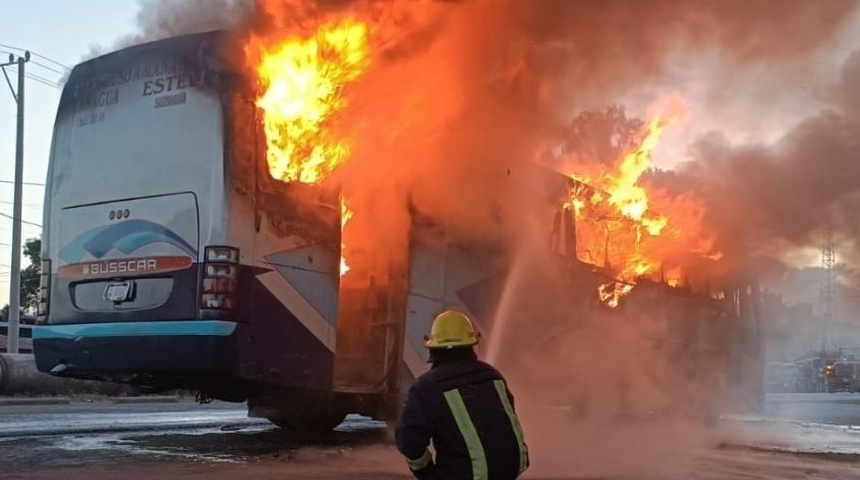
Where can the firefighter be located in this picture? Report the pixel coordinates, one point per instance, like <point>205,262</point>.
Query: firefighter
<point>465,407</point>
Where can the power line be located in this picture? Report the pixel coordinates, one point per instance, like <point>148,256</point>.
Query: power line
<point>47,83</point>
<point>34,205</point>
<point>10,217</point>
<point>36,55</point>
<point>5,229</point>
<point>39,78</point>
<point>46,67</point>
<point>43,81</point>
<point>33,184</point>
<point>59,72</point>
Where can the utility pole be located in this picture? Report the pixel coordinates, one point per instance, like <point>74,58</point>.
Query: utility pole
<point>828,287</point>
<point>15,280</point>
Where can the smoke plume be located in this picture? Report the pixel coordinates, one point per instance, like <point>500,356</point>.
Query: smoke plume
<point>458,99</point>
<point>462,92</point>
<point>763,199</point>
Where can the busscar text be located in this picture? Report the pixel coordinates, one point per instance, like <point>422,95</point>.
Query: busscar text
<point>120,266</point>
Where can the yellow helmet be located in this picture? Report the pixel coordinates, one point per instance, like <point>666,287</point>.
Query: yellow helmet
<point>451,329</point>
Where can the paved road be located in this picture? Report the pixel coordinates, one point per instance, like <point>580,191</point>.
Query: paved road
<point>808,423</point>
<point>108,417</point>
<point>97,441</point>
<point>825,408</point>
<point>85,433</point>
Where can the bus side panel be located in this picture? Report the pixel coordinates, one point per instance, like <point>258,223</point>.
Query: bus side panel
<point>289,285</point>
<point>445,276</point>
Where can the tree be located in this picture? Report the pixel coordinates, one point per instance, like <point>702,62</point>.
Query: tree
<point>601,137</point>
<point>30,278</point>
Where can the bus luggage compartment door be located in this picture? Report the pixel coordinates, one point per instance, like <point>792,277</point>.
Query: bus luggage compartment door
<point>370,329</point>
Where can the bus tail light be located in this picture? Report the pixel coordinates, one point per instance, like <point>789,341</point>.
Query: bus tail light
<point>222,255</point>
<point>44,291</point>
<point>218,302</point>
<point>220,278</point>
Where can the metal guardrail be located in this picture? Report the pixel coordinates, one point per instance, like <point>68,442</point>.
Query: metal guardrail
<point>25,334</point>
<point>25,330</point>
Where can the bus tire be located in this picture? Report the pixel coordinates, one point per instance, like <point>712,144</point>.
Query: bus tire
<point>309,421</point>
<point>293,412</point>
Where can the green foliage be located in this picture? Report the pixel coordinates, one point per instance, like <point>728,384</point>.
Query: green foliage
<point>30,275</point>
<point>601,137</point>
<point>29,278</point>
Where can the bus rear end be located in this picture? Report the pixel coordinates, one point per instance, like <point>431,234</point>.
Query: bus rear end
<point>135,287</point>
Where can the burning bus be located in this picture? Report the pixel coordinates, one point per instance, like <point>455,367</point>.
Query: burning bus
<point>162,265</point>
<point>184,248</point>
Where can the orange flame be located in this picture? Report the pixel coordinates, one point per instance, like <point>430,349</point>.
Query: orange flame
<point>302,81</point>
<point>673,277</point>
<point>621,231</point>
<point>625,193</point>
<point>345,215</point>
<point>611,293</point>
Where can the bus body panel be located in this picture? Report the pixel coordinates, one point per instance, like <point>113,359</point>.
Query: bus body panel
<point>134,195</point>
<point>150,242</point>
<point>148,168</point>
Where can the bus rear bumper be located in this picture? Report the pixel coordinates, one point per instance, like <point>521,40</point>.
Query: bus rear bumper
<point>135,351</point>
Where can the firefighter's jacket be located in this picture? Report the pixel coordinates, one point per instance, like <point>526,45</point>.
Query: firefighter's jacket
<point>466,409</point>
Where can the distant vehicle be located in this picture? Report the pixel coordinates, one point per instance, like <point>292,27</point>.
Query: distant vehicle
<point>842,377</point>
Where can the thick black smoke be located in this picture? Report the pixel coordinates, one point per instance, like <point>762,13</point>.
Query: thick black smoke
<point>762,199</point>
<point>461,94</point>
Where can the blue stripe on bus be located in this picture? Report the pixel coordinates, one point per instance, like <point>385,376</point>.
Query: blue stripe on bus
<point>216,328</point>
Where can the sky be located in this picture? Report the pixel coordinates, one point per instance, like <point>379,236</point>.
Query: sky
<point>63,32</point>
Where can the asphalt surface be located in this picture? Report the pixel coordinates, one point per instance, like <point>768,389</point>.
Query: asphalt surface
<point>99,439</point>
<point>825,408</point>
<point>82,417</point>
<point>86,433</point>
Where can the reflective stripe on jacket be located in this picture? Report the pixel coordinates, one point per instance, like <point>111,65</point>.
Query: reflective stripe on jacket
<point>465,407</point>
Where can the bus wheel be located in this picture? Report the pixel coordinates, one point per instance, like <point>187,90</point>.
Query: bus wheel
<point>308,421</point>
<point>299,414</point>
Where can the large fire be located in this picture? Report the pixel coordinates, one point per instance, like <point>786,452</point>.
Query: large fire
<point>345,215</point>
<point>625,227</point>
<point>631,231</point>
<point>302,81</point>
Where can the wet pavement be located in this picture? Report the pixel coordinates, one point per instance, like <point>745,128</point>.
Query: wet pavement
<point>92,432</point>
<point>803,423</point>
<point>103,440</point>
<point>108,417</point>
<point>825,408</point>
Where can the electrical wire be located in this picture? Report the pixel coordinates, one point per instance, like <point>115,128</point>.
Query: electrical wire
<point>38,78</point>
<point>33,184</point>
<point>10,217</point>
<point>34,54</point>
<point>39,64</point>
